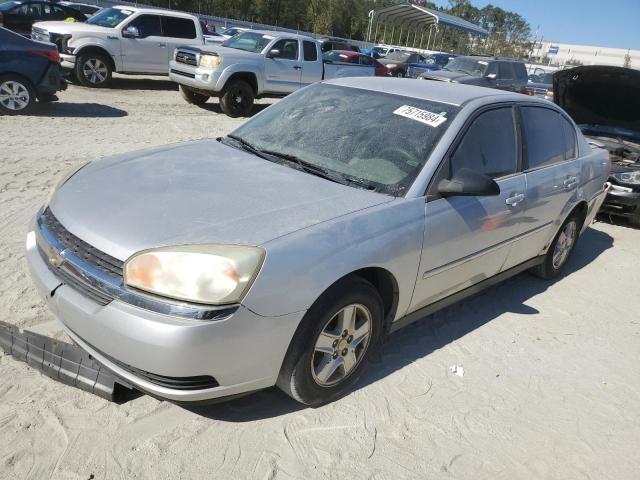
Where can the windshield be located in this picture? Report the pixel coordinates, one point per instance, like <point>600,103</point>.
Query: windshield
<point>109,17</point>
<point>229,31</point>
<point>7,6</point>
<point>381,140</point>
<point>470,66</point>
<point>399,56</point>
<point>248,41</point>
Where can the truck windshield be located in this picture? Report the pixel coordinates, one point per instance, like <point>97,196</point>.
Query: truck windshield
<point>109,17</point>
<point>7,6</point>
<point>470,66</point>
<point>366,137</point>
<point>249,41</point>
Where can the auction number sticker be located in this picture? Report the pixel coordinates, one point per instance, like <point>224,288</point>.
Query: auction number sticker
<point>423,116</point>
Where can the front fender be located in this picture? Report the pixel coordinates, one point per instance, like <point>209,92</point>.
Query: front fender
<point>300,266</point>
<point>111,46</point>
<point>227,72</point>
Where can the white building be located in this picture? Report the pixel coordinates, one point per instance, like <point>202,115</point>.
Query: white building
<point>558,54</point>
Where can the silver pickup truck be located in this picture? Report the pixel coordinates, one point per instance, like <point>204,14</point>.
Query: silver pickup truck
<point>252,65</point>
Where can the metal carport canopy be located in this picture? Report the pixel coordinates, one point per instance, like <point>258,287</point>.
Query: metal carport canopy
<point>415,16</point>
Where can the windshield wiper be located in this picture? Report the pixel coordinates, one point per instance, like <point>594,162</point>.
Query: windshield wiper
<point>248,147</point>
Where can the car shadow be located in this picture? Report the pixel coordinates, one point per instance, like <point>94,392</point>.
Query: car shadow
<point>424,336</point>
<point>215,107</point>
<point>77,110</point>
<point>124,83</point>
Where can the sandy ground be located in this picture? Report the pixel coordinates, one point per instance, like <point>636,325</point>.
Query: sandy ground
<point>551,386</point>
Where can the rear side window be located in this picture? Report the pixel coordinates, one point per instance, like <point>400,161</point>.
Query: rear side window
<point>310,51</point>
<point>543,136</point>
<point>521,71</point>
<point>489,145</point>
<point>147,25</point>
<point>569,137</point>
<point>178,27</point>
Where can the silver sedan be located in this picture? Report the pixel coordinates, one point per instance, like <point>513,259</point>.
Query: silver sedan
<point>283,253</point>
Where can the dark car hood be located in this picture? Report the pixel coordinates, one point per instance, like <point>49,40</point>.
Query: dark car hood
<point>450,76</point>
<point>426,66</point>
<point>192,193</point>
<point>600,95</point>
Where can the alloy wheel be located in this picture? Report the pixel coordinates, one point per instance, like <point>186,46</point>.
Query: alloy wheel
<point>341,345</point>
<point>95,71</point>
<point>564,244</point>
<point>14,95</point>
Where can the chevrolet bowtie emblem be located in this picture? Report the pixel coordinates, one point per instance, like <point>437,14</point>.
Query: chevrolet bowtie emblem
<point>56,259</point>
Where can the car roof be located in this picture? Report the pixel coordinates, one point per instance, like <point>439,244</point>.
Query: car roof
<point>278,34</point>
<point>443,92</point>
<point>157,11</point>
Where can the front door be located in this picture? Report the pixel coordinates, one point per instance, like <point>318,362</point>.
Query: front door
<point>284,72</point>
<point>145,52</point>
<point>467,239</point>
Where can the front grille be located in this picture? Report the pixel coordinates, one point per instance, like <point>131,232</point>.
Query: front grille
<point>187,58</point>
<point>184,74</point>
<point>81,249</point>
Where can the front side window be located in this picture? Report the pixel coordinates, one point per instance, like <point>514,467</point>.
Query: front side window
<point>175,27</point>
<point>543,136</point>
<point>337,129</point>
<point>310,51</point>
<point>110,17</point>
<point>248,41</point>
<point>489,145</point>
<point>147,25</point>
<point>288,49</point>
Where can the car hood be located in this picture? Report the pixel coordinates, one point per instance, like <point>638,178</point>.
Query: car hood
<point>71,27</point>
<point>387,61</point>
<point>199,192</point>
<point>426,66</point>
<point>600,95</point>
<point>448,76</point>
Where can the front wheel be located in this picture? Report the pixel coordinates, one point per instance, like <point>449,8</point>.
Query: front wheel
<point>399,74</point>
<point>237,99</point>
<point>560,249</point>
<point>333,343</point>
<point>192,97</point>
<point>16,95</point>
<point>93,70</point>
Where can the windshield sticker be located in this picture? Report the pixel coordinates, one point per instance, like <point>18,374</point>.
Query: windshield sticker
<point>419,115</point>
<point>482,62</point>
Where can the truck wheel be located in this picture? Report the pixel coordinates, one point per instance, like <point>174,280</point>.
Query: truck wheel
<point>93,70</point>
<point>16,95</point>
<point>333,344</point>
<point>192,97</point>
<point>399,74</point>
<point>237,99</point>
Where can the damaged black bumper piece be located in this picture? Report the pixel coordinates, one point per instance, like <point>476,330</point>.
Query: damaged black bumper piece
<point>64,362</point>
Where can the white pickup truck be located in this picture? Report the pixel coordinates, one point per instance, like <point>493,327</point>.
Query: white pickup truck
<point>121,39</point>
<point>254,64</point>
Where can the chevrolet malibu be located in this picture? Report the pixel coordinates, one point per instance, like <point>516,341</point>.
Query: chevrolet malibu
<point>285,252</point>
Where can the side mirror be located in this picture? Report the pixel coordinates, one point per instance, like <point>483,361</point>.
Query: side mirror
<point>467,182</point>
<point>492,76</point>
<point>131,32</point>
<point>274,53</point>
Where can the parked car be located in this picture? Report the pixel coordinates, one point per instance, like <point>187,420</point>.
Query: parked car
<point>231,31</point>
<point>379,51</point>
<point>398,62</point>
<point>252,65</point>
<point>121,39</point>
<point>328,44</point>
<point>88,10</point>
<point>431,62</point>
<point>491,72</point>
<point>29,70</point>
<point>19,16</point>
<point>356,58</point>
<point>540,86</point>
<point>604,102</point>
<point>286,251</point>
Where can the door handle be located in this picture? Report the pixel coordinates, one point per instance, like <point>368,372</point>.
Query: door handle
<point>162,45</point>
<point>514,200</point>
<point>570,182</point>
<point>297,67</point>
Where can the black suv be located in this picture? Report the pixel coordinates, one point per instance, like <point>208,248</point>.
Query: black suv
<point>492,72</point>
<point>18,15</point>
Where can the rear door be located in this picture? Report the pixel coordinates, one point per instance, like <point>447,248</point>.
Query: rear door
<point>146,53</point>
<point>178,31</point>
<point>284,73</point>
<point>467,239</point>
<point>552,170</point>
<point>311,63</point>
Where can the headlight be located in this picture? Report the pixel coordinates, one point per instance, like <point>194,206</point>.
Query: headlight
<point>210,61</point>
<point>632,178</point>
<point>392,65</point>
<point>210,274</point>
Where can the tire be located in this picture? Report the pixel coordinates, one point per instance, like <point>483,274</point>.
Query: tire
<point>563,245</point>
<point>17,95</point>
<point>344,356</point>
<point>93,70</point>
<point>237,99</point>
<point>192,97</point>
<point>399,74</point>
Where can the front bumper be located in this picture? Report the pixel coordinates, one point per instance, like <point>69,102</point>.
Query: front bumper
<point>200,79</point>
<point>243,352</point>
<point>67,61</point>
<point>622,201</point>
